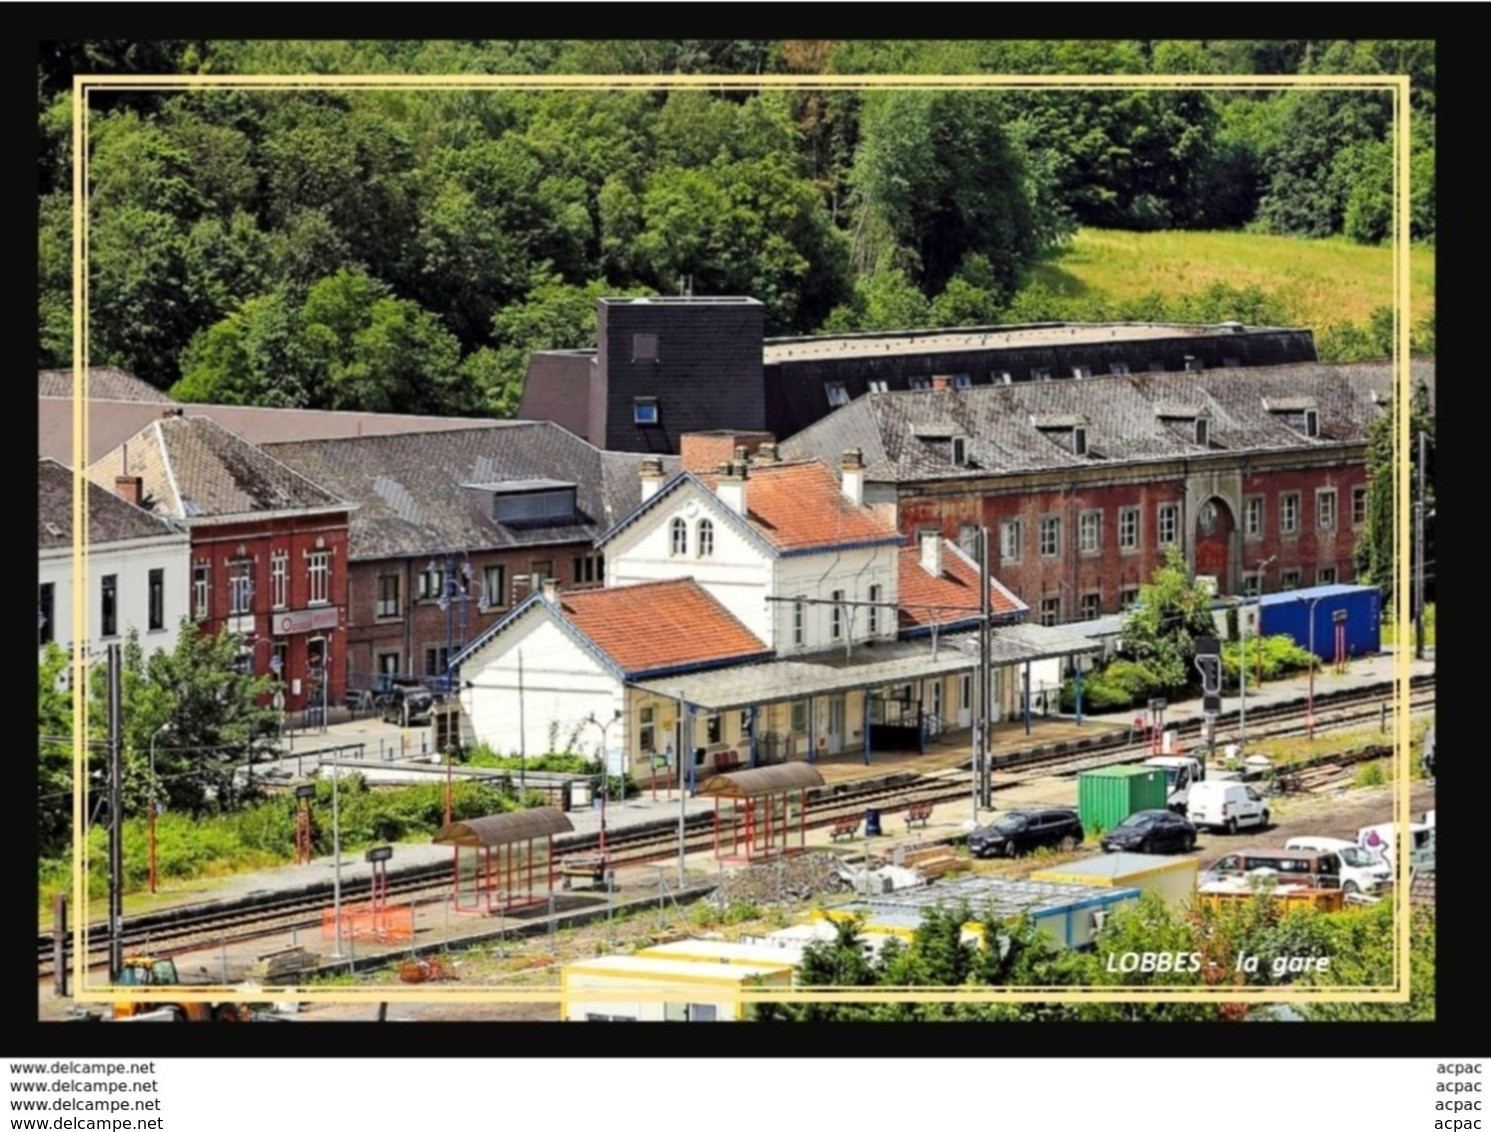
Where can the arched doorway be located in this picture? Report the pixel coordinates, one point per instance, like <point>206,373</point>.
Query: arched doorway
<point>1214,530</point>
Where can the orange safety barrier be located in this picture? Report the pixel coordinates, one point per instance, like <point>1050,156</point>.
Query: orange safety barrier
<point>378,924</point>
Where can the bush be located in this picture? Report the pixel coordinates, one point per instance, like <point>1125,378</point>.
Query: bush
<point>1280,655</point>
<point>1118,685</point>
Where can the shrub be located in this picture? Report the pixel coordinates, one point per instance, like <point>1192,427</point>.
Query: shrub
<point>1280,656</point>
<point>1370,774</point>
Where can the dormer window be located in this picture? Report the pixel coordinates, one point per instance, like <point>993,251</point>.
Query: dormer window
<point>960,451</point>
<point>1039,374</point>
<point>879,386</point>
<point>1299,413</point>
<point>921,383</point>
<point>532,503</point>
<point>838,395</point>
<point>1068,431</point>
<point>1203,432</point>
<point>961,381</point>
<point>1079,441</point>
<point>1003,377</point>
<point>1079,372</point>
<point>644,411</point>
<point>1312,423</point>
<point>1119,368</point>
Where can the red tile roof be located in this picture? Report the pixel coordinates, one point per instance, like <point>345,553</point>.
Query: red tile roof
<point>654,625</point>
<point>956,590</point>
<point>799,506</point>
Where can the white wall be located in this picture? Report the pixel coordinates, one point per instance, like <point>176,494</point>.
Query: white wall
<point>563,683</point>
<point>816,577</point>
<point>737,574</point>
<point>131,562</point>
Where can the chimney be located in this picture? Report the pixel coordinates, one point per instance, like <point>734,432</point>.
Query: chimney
<point>767,454</point>
<point>131,489</point>
<point>652,476</point>
<point>732,486</point>
<point>551,591</point>
<point>940,382</point>
<point>852,473</point>
<point>932,552</point>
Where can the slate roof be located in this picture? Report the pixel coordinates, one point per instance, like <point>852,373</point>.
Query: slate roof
<point>1123,422</point>
<point>194,469</point>
<point>417,492</point>
<point>654,626</point>
<point>110,519</point>
<point>801,506</point>
<point>104,382</point>
<point>955,590</point>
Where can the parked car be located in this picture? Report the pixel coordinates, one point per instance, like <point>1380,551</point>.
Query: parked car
<point>1228,805</point>
<point>1288,867</point>
<point>408,705</point>
<point>1151,831</point>
<point>1020,831</point>
<point>1360,871</point>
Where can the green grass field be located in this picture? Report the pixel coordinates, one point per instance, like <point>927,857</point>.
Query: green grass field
<point>1320,281</point>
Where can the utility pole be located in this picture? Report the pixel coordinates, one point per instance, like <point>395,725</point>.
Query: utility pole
<point>682,792</point>
<point>116,818</point>
<point>984,777</point>
<point>1418,554</point>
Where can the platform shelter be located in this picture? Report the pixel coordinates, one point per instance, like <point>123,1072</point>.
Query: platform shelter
<point>503,861</point>
<point>762,812</point>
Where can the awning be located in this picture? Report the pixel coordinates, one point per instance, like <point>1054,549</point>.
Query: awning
<point>763,780</point>
<point>504,829</point>
<point>1025,642</point>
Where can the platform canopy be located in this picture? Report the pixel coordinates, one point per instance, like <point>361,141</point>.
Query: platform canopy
<point>762,781</point>
<point>504,829</point>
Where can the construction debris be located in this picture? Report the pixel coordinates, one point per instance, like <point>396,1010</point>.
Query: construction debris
<point>788,881</point>
<point>283,966</point>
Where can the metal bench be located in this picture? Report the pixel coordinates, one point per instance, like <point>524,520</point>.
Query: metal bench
<point>846,826</point>
<point>918,812</point>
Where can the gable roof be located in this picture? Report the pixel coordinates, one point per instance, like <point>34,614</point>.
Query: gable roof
<point>1124,425</point>
<point>954,591</point>
<point>422,492</point>
<point>110,519</point>
<point>647,629</point>
<point>193,469</point>
<point>108,383</point>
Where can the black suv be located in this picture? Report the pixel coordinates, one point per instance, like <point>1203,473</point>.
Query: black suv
<point>1020,831</point>
<point>407,705</point>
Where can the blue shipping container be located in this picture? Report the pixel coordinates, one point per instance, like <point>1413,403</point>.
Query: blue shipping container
<point>1289,613</point>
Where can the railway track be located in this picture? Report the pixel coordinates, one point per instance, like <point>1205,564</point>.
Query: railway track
<point>190,929</point>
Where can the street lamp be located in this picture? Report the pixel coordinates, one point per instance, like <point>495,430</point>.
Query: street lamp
<point>605,769</point>
<point>1310,702</point>
<point>154,781</point>
<point>1242,663</point>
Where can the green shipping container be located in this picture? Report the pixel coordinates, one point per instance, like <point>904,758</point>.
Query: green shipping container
<point>1109,794</point>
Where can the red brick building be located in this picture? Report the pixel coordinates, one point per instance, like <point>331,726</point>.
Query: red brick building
<point>1258,476</point>
<point>268,547</point>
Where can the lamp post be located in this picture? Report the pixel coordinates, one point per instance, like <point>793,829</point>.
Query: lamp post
<point>1242,663</point>
<point>1310,701</point>
<point>166,726</point>
<point>1263,565</point>
<point>605,769</point>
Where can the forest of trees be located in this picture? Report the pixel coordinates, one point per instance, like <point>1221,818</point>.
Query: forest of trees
<point>406,250</point>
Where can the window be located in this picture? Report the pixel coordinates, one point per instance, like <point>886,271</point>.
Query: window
<point>960,451</point>
<point>388,667</point>
<point>240,587</point>
<point>706,538</point>
<point>837,394</point>
<point>320,576</point>
<point>1040,375</point>
<point>1091,532</point>
<point>199,592</point>
<point>1169,524</point>
<point>1127,596</point>
<point>46,606</point>
<point>1203,432</point>
<point>921,383</point>
<point>1358,506</point>
<point>1050,536</point>
<point>279,579</point>
<point>873,620</point>
<point>1289,513</point>
<point>538,570</point>
<point>701,1012</point>
<point>836,616</point>
<point>797,621</point>
<point>1079,441</point>
<point>157,599</point>
<point>435,660</point>
<point>1003,377</point>
<point>1128,528</point>
<point>1080,372</point>
<point>1325,509</point>
<point>968,539</point>
<point>799,717</point>
<point>1011,535</point>
<point>965,692</point>
<point>644,347</point>
<point>962,381</point>
<point>879,387</point>
<point>543,508</point>
<point>1092,606</point>
<point>646,729</point>
<point>109,591</point>
<point>388,596</point>
<point>1050,610</point>
<point>586,569</point>
<point>1312,422</point>
<point>431,582</point>
<point>679,539</point>
<point>714,729</point>
<point>1289,579</point>
<point>1253,517</point>
<point>1325,576</point>
<point>1252,584</point>
<point>644,411</point>
<point>1120,368</point>
<point>493,587</point>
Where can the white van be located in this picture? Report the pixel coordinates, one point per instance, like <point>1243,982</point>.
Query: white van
<point>1181,773</point>
<point>1360,871</point>
<point>1229,805</point>
<point>1381,841</point>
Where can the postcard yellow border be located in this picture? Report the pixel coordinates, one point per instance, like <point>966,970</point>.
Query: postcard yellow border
<point>1397,85</point>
